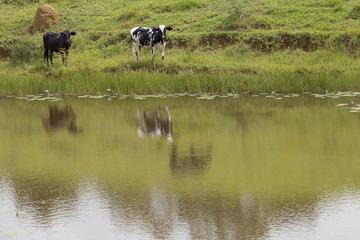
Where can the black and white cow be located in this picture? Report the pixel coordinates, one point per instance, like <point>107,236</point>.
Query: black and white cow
<point>57,43</point>
<point>150,38</point>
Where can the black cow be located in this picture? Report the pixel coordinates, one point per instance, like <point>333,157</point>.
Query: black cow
<point>150,38</point>
<point>57,43</point>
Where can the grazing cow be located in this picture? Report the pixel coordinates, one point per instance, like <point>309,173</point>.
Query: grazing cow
<point>150,38</point>
<point>57,43</point>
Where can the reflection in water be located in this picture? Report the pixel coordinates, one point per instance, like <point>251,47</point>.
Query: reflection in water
<point>166,215</point>
<point>46,198</point>
<point>194,160</point>
<point>158,123</point>
<point>60,119</point>
<point>280,175</point>
<point>155,123</point>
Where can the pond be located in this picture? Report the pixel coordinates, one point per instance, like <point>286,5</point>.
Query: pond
<point>182,167</point>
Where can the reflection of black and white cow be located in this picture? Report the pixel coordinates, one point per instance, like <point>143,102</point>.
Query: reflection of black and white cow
<point>60,119</point>
<point>150,38</point>
<point>57,43</point>
<point>156,123</point>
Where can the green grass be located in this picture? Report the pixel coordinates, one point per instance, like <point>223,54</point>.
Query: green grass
<point>191,72</point>
<point>216,46</point>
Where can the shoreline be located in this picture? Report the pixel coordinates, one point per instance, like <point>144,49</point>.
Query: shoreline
<point>144,82</point>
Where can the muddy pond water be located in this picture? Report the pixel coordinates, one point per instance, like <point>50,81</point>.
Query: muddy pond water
<point>181,167</point>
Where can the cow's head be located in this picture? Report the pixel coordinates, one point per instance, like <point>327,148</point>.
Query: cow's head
<point>66,38</point>
<point>160,32</point>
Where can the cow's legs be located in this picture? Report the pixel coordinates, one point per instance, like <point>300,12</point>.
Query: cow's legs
<point>62,57</point>
<point>46,55</point>
<point>163,51</point>
<point>137,48</point>
<point>66,57</point>
<point>133,49</point>
<point>153,55</point>
<point>51,55</point>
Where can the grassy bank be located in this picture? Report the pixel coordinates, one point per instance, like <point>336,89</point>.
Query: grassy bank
<point>216,46</point>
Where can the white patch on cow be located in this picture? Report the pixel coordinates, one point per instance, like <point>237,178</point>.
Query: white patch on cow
<point>162,27</point>
<point>132,31</point>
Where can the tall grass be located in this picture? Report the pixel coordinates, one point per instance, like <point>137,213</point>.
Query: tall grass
<point>144,82</point>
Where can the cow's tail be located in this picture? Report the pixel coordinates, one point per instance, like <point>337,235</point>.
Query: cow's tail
<point>46,35</point>
<point>45,39</point>
<point>46,53</point>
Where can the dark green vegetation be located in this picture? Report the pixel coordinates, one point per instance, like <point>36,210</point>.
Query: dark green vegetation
<point>216,46</point>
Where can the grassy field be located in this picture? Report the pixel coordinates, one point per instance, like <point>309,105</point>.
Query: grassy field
<point>216,46</point>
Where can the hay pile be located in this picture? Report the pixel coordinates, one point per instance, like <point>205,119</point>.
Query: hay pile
<point>45,17</point>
